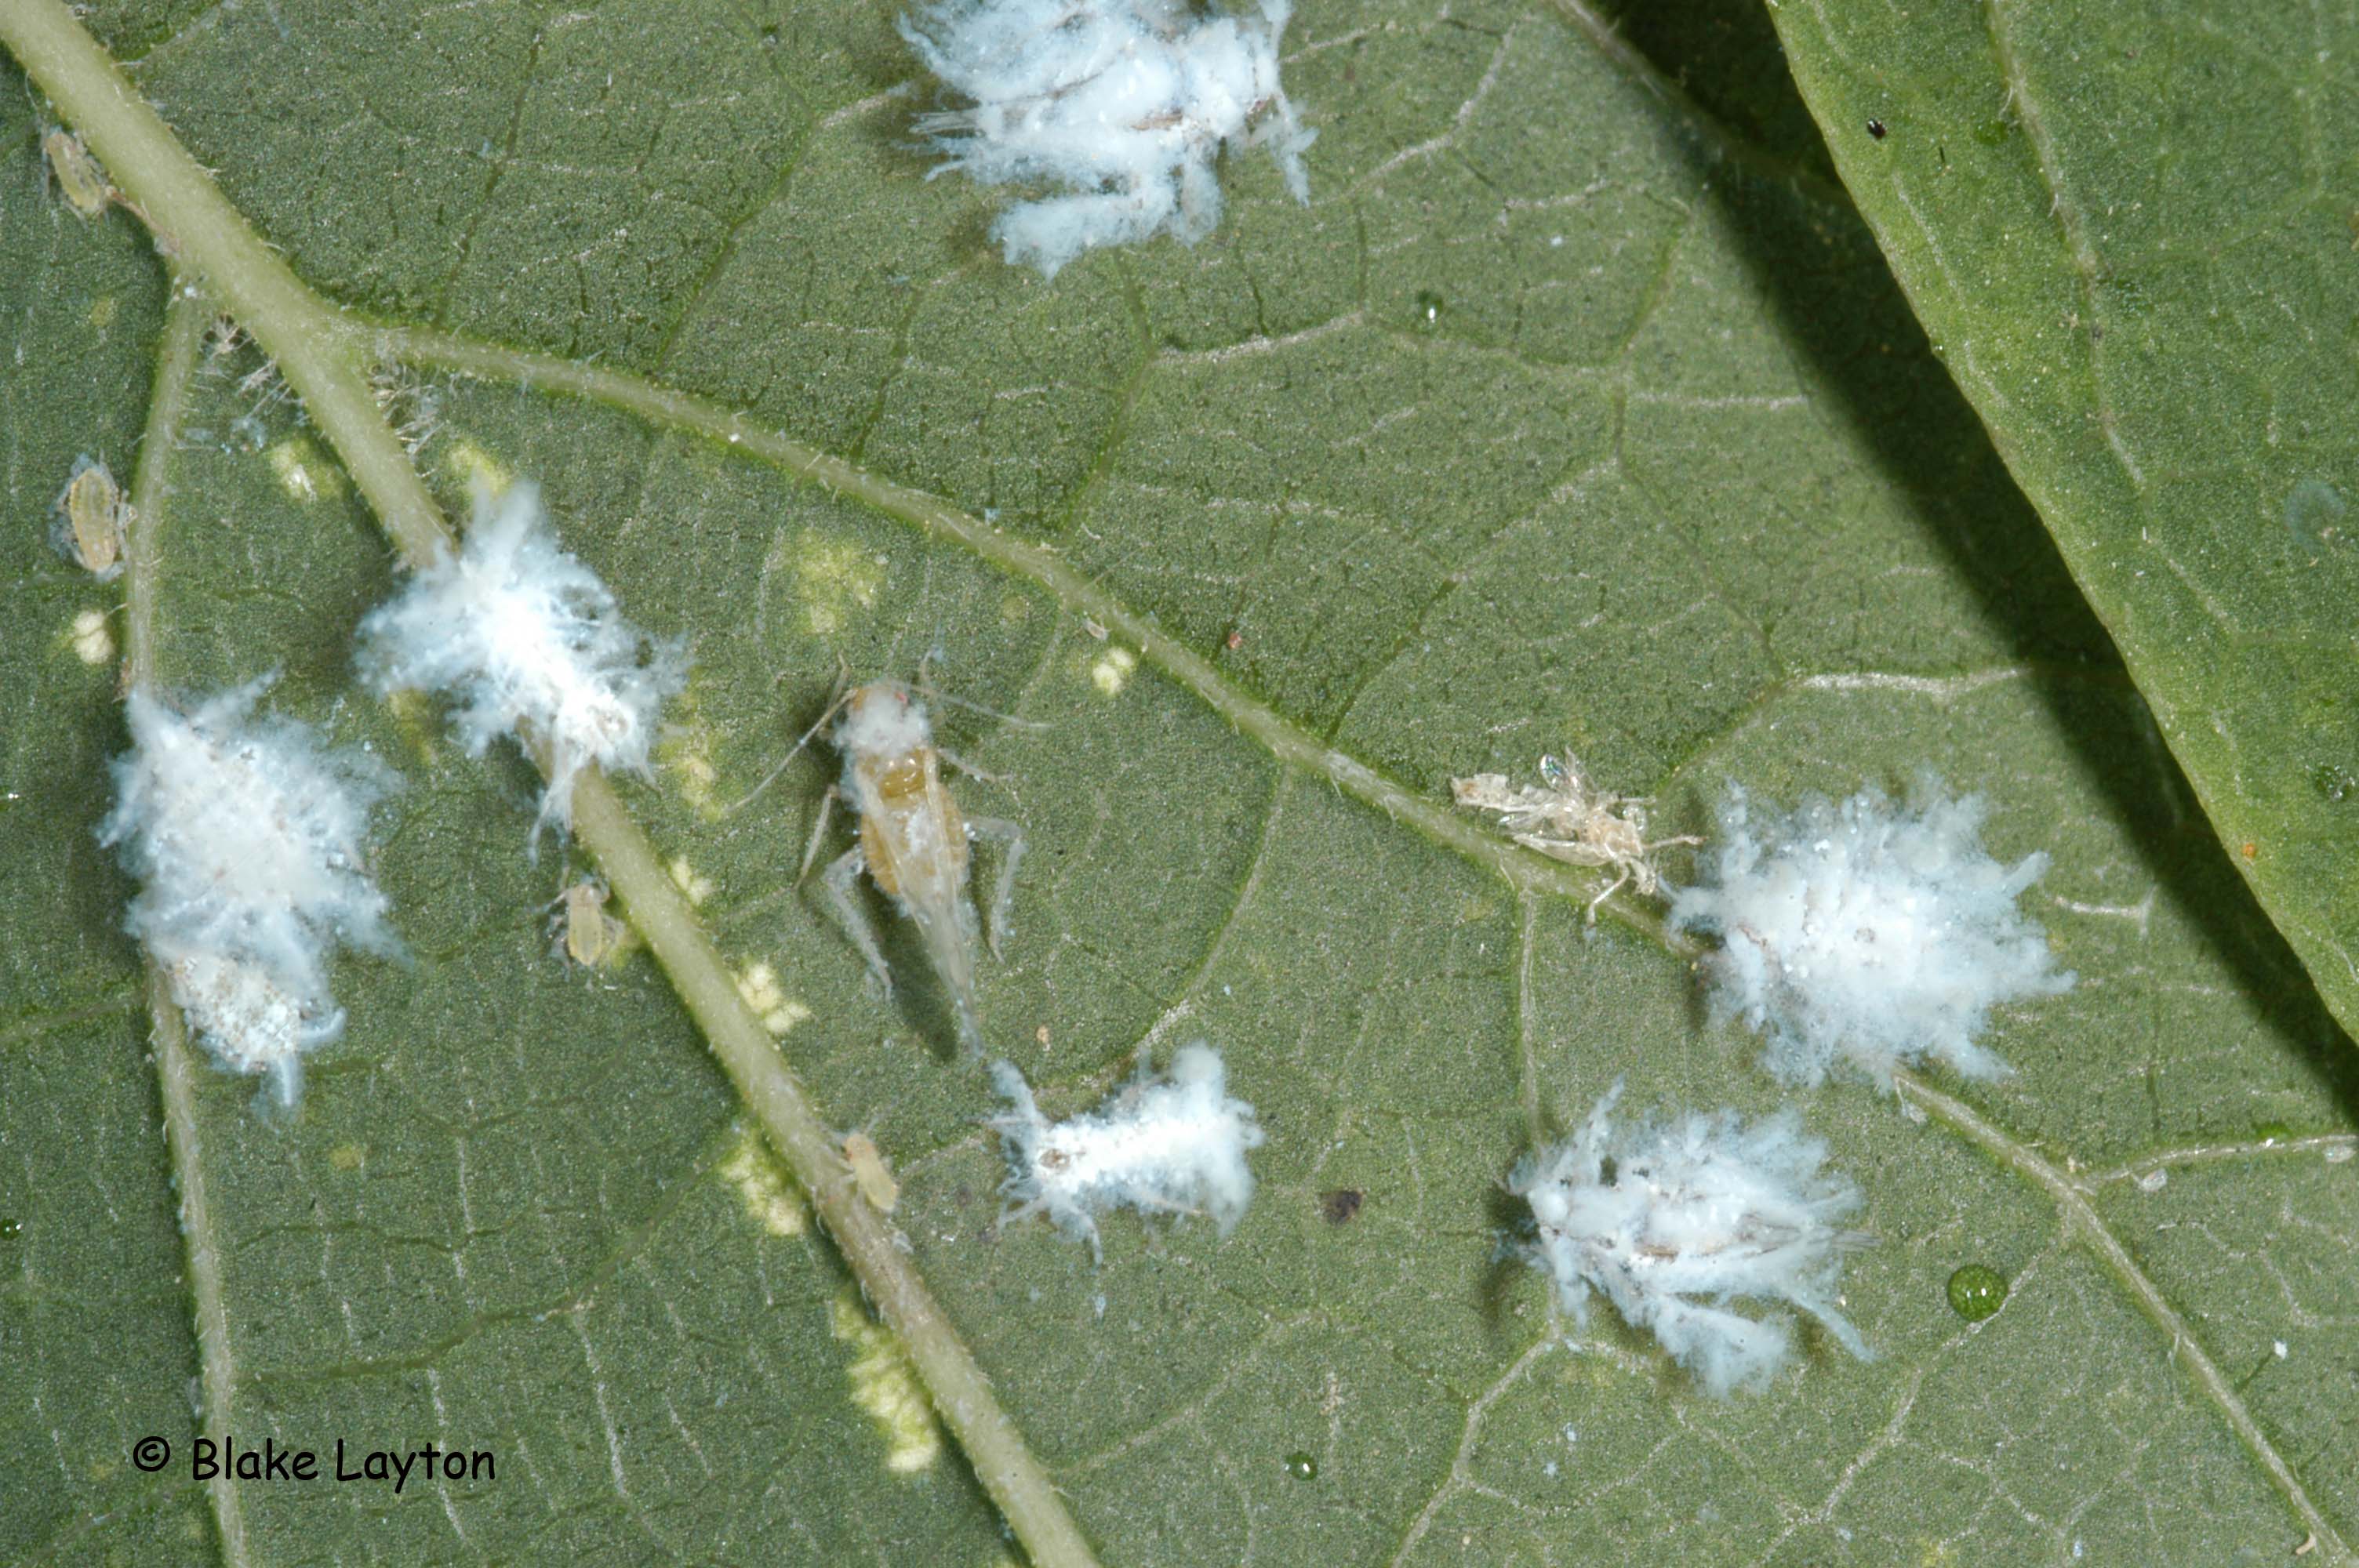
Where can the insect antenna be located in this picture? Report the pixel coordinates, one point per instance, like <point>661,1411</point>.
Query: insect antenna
<point>935,694</point>
<point>842,694</point>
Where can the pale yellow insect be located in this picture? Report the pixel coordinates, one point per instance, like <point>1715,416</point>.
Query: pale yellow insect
<point>83,184</point>
<point>870,1173</point>
<point>91,518</point>
<point>593,937</point>
<point>914,845</point>
<point>1567,818</point>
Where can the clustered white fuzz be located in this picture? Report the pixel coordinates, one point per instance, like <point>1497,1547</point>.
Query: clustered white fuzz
<point>1123,104</point>
<point>249,843</point>
<point>882,720</point>
<point>1872,932</point>
<point>526,635</point>
<point>1668,1222</point>
<point>1161,1145</point>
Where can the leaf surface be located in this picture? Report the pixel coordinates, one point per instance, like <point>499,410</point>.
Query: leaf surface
<point>2129,233</point>
<point>1567,415</point>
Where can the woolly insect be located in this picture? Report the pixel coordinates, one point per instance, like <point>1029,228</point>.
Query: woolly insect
<point>1667,1222</point>
<point>530,640</point>
<point>1567,818</point>
<point>1123,104</point>
<point>249,842</point>
<point>913,844</point>
<point>91,518</point>
<point>1867,931</point>
<point>1174,1144</point>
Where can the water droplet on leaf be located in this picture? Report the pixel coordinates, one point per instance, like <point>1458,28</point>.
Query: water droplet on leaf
<point>1976,1291</point>
<point>1301,1466</point>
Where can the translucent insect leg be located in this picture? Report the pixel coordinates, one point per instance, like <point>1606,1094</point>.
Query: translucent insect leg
<point>969,769</point>
<point>819,830</point>
<point>1003,891</point>
<point>838,878</point>
<point>285,1084</point>
<point>1609,892</point>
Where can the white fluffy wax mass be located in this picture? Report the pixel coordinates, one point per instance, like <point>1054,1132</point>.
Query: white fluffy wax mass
<point>1669,1222</point>
<point>249,843</point>
<point>1173,1144</point>
<point>1121,103</point>
<point>1867,931</point>
<point>522,633</point>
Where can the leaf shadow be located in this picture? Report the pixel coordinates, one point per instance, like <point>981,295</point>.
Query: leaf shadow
<point>1830,290</point>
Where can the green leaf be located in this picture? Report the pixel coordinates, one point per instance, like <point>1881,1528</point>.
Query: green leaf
<point>1568,415</point>
<point>2126,229</point>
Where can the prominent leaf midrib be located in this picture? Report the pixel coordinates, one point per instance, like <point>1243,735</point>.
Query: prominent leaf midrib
<point>1295,747</point>
<point>316,351</point>
<point>2001,1142</point>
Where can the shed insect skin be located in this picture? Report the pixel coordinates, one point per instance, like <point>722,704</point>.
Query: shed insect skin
<point>914,844</point>
<point>1567,818</point>
<point>92,516</point>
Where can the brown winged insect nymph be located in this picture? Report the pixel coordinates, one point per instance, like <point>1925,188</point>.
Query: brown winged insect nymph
<point>914,843</point>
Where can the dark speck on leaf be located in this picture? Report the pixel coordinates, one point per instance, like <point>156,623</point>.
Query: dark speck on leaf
<point>1341,1204</point>
<point>1876,129</point>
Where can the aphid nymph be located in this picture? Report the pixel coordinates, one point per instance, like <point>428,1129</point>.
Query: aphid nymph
<point>248,837</point>
<point>1172,1142</point>
<point>586,933</point>
<point>914,845</point>
<point>83,184</point>
<point>870,1173</point>
<point>1567,818</point>
<point>1124,105</point>
<point>1668,1221</point>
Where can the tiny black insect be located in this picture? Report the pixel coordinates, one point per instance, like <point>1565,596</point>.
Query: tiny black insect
<point>1876,129</point>
<point>1341,1204</point>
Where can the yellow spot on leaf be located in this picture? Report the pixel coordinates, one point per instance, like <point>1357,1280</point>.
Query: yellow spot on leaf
<point>471,466</point>
<point>759,985</point>
<point>685,752</point>
<point>1112,671</point>
<point>101,312</point>
<point>415,714</point>
<point>832,578</point>
<point>347,1156</point>
<point>304,470</point>
<point>698,888</point>
<point>93,642</point>
<point>771,1200</point>
<point>886,1385</point>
